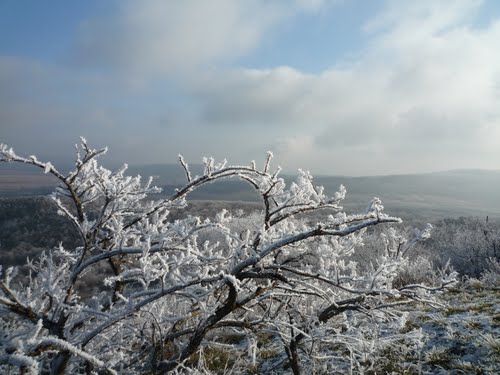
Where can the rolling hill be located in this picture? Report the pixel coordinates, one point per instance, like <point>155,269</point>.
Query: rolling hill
<point>433,195</point>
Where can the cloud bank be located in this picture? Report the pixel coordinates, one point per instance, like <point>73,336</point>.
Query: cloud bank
<point>162,78</point>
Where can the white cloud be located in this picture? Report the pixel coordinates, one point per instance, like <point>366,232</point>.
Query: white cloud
<point>410,19</point>
<point>429,82</point>
<point>168,37</point>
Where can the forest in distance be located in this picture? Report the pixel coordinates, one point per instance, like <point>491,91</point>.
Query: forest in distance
<point>30,224</point>
<point>123,278</point>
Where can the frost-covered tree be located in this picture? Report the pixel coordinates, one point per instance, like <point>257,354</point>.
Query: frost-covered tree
<point>469,243</point>
<point>266,292</point>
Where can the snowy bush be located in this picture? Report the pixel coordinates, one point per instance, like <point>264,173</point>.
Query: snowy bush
<point>267,292</point>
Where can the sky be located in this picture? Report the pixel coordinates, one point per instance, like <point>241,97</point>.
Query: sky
<point>343,87</point>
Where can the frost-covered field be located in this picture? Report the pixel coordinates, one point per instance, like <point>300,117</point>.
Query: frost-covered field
<point>464,337</point>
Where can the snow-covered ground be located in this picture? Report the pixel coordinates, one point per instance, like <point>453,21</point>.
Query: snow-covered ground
<point>464,337</point>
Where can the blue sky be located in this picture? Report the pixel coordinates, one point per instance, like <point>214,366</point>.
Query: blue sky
<point>349,87</point>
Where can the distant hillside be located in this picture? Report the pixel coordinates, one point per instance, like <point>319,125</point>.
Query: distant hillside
<point>433,195</point>
<point>18,179</point>
<point>452,193</point>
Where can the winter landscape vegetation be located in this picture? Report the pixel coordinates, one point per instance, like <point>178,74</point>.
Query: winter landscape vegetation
<point>125,283</point>
<point>366,242</point>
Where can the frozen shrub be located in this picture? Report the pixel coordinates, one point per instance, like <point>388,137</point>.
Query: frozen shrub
<point>279,291</point>
<point>491,276</point>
